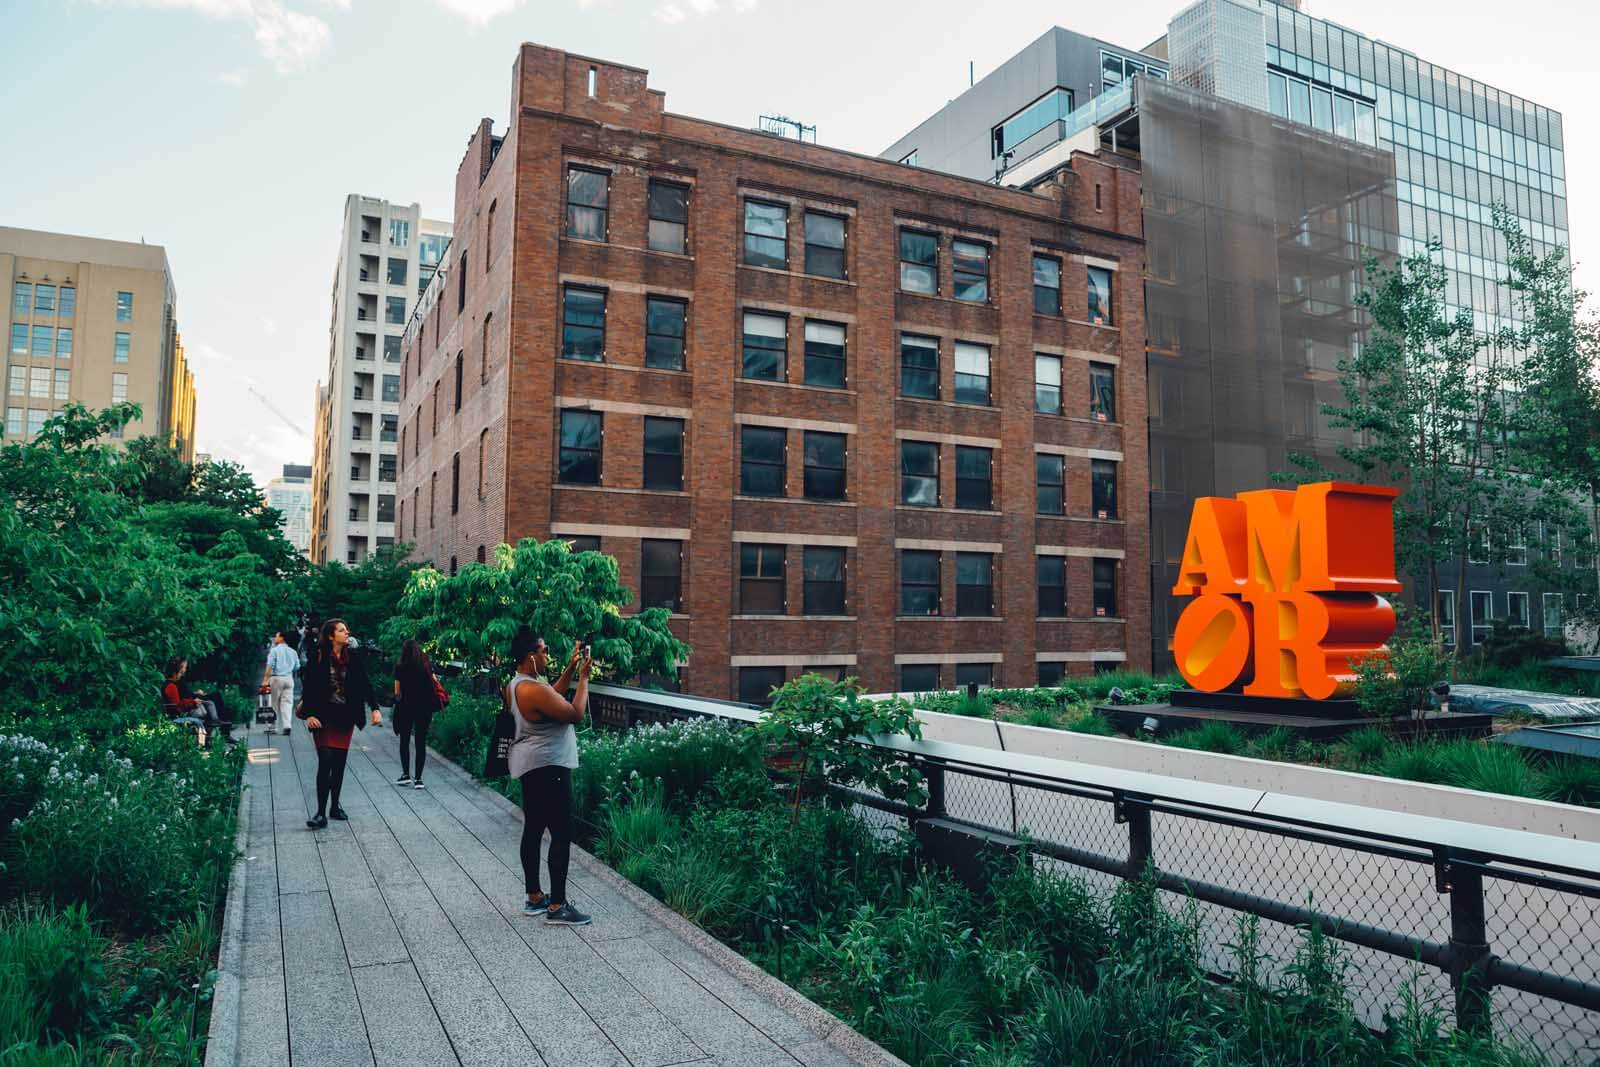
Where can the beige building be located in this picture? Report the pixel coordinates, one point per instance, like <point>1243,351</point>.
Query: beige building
<point>92,321</point>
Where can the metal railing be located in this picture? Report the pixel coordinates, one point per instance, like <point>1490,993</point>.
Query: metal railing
<point>1498,928</point>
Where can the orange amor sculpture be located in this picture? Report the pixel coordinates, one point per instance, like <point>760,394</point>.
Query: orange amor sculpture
<point>1286,587</point>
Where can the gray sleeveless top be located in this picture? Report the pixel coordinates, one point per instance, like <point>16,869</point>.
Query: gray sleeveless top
<point>541,743</point>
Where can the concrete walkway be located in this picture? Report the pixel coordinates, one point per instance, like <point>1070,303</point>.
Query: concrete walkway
<point>398,938</point>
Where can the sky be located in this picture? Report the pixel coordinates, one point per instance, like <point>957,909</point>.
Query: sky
<point>230,131</point>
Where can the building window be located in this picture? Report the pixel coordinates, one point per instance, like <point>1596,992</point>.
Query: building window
<point>1553,624</point>
<point>762,451</point>
<point>1105,588</point>
<point>919,582</point>
<point>397,271</point>
<point>391,390</point>
<point>483,361</point>
<point>669,217</point>
<point>919,366</point>
<point>1103,488</point>
<point>919,474</point>
<point>14,421</point>
<point>661,575</point>
<point>1047,384</point>
<point>1053,105</point>
<point>974,584</point>
<point>1100,296</point>
<point>1477,543</point>
<point>69,302</point>
<point>765,338</point>
<point>824,365</point>
<point>581,434</point>
<point>1052,587</point>
<point>21,298</point>
<point>44,340</point>
<point>124,307</point>
<point>19,338</point>
<point>919,677</point>
<point>757,683</point>
<point>461,366</point>
<point>972,373</point>
<point>825,244</point>
<point>1046,285</point>
<point>435,430</point>
<point>391,348</point>
<point>416,509</point>
<point>1447,616</point>
<point>1482,604</point>
<point>588,196</point>
<point>974,478</point>
<point>583,324</point>
<point>919,262</point>
<point>824,582</point>
<point>388,427</point>
<point>970,264</point>
<point>394,310</point>
<point>824,465</point>
<point>119,388</point>
<point>63,384</point>
<point>1517,547</point>
<point>582,543</point>
<point>761,579</point>
<point>44,299</point>
<point>663,453</point>
<point>1517,610</point>
<point>19,380</point>
<point>1103,392</point>
<point>766,234</point>
<point>386,509</point>
<point>399,232</point>
<point>461,283</point>
<point>664,321</point>
<point>386,469</point>
<point>39,383</point>
<point>36,418</point>
<point>1050,673</point>
<point>455,483</point>
<point>483,462</point>
<point>978,674</point>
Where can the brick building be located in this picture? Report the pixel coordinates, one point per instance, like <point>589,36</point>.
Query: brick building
<point>836,412</point>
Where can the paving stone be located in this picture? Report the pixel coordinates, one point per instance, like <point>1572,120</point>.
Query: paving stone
<point>404,1028</point>
<point>481,1026</point>
<point>325,1022</point>
<point>311,941</point>
<point>367,929</point>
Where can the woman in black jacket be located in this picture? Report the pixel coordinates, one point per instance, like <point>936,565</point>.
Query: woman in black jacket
<point>417,698</point>
<point>336,696</point>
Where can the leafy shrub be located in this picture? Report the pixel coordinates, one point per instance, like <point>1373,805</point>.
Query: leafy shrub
<point>52,976</point>
<point>1048,718</point>
<point>1397,684</point>
<point>1363,748</point>
<point>817,720</point>
<point>682,757</point>
<point>978,707</point>
<point>1214,736</point>
<point>1570,780</point>
<point>1092,723</point>
<point>1510,647</point>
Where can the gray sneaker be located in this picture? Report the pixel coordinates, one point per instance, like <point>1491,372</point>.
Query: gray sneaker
<point>566,915</point>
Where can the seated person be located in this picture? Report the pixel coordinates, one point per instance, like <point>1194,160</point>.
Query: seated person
<point>181,701</point>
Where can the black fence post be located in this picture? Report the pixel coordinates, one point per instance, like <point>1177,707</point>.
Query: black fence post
<point>1140,847</point>
<point>1469,943</point>
<point>934,772</point>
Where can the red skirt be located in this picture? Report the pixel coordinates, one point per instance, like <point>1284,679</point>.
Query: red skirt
<point>333,736</point>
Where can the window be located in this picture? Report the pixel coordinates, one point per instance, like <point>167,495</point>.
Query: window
<point>1552,543</point>
<point>119,387</point>
<point>824,355</point>
<point>389,426</point>
<point>663,332</point>
<point>1553,624</point>
<point>766,234</point>
<point>483,360</point>
<point>1103,488</point>
<point>919,366</point>
<point>761,461</point>
<point>39,383</point>
<point>36,419</point>
<point>1517,610</point>
<point>19,380</point>
<point>19,338</point>
<point>1105,588</point>
<point>919,474</point>
<point>391,348</point>
<point>488,243</point>
<point>910,158</point>
<point>1046,384</point>
<point>825,244</point>
<point>978,674</point>
<point>124,307</point>
<point>394,310</point>
<point>385,508</point>
<point>824,582</point>
<point>1056,104</point>
<point>757,683</point>
<point>461,366</point>
<point>919,677</point>
<point>44,340</point>
<point>1477,543</point>
<point>461,283</point>
<point>1051,673</point>
<point>391,390</point>
<point>581,433</point>
<point>588,194</point>
<point>1517,548</point>
<point>483,463</point>
<point>919,582</point>
<point>397,271</point>
<point>761,570</point>
<point>970,262</point>
<point>919,262</point>
<point>1103,392</point>
<point>386,468</point>
<point>765,337</point>
<point>416,496</point>
<point>824,465</point>
<point>435,430</point>
<point>44,299</point>
<point>22,298</point>
<point>1100,296</point>
<point>661,575</point>
<point>1482,604</point>
<point>14,420</point>
<point>669,217</point>
<point>1447,616</point>
<point>1046,285</point>
<point>63,384</point>
<point>582,543</point>
<point>974,583</point>
<point>663,453</point>
<point>972,373</point>
<point>455,483</point>
<point>974,478</point>
<point>399,232</point>
<point>583,324</point>
<point>1052,587</point>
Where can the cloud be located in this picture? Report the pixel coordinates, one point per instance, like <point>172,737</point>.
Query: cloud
<point>206,352</point>
<point>234,78</point>
<point>479,12</point>
<point>674,12</point>
<point>269,326</point>
<point>289,40</point>
<point>671,14</point>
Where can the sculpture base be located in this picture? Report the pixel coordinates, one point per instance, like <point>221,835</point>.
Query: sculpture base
<point>1317,720</point>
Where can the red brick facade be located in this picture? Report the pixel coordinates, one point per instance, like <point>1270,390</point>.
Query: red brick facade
<point>511,233</point>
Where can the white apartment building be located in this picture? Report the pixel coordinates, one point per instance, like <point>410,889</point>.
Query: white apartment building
<point>290,493</point>
<point>387,254</point>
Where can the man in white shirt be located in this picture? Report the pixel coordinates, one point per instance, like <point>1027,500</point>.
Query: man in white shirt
<point>278,677</point>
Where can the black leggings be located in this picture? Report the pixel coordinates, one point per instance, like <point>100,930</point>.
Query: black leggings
<point>330,776</point>
<point>418,728</point>
<point>547,804</point>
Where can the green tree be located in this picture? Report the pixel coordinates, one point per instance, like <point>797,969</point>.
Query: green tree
<point>562,595</point>
<point>366,596</point>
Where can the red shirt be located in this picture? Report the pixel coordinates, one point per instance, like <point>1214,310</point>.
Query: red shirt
<point>179,703</point>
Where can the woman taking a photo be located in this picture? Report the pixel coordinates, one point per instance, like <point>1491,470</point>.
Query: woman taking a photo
<point>417,693</point>
<point>337,694</point>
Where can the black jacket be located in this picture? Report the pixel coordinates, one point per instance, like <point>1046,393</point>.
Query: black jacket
<point>358,693</point>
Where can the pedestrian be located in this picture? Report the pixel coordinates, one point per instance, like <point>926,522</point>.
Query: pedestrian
<point>416,693</point>
<point>544,753</point>
<point>337,695</point>
<point>277,678</point>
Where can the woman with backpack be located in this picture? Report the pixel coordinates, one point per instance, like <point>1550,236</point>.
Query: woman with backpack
<point>418,695</point>
<point>337,696</point>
